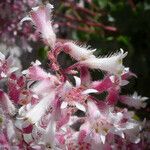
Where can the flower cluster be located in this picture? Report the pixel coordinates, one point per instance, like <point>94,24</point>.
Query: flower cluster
<point>61,110</point>
<point>11,12</point>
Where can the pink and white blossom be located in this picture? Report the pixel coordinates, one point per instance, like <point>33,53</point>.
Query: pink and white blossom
<point>75,96</point>
<point>111,64</point>
<point>134,100</point>
<point>79,53</point>
<point>6,66</point>
<point>41,18</point>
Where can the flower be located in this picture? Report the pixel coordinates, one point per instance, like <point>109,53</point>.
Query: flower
<point>41,18</point>
<point>99,124</point>
<point>6,66</point>
<point>75,96</point>
<point>35,72</point>
<point>112,64</point>
<point>43,138</point>
<point>7,104</point>
<point>134,100</point>
<point>79,53</point>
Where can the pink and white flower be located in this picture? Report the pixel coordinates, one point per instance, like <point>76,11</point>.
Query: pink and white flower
<point>6,66</point>
<point>75,96</point>
<point>134,100</point>
<point>101,123</point>
<point>79,53</point>
<point>111,64</point>
<point>41,18</point>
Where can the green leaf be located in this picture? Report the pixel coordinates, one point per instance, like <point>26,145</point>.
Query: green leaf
<point>42,53</point>
<point>123,39</point>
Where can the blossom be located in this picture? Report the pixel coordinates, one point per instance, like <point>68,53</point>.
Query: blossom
<point>7,104</point>
<point>79,53</point>
<point>43,138</point>
<point>75,96</point>
<point>102,123</point>
<point>112,64</point>
<point>35,72</point>
<point>41,18</point>
<point>6,66</point>
<point>134,100</point>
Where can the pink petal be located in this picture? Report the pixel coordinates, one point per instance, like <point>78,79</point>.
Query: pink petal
<point>37,73</point>
<point>112,97</point>
<point>102,85</point>
<point>3,139</point>
<point>63,120</point>
<point>128,75</point>
<point>85,76</point>
<point>81,136</point>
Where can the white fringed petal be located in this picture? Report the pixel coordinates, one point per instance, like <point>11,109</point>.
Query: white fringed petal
<point>79,53</point>
<point>8,105</point>
<point>112,64</point>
